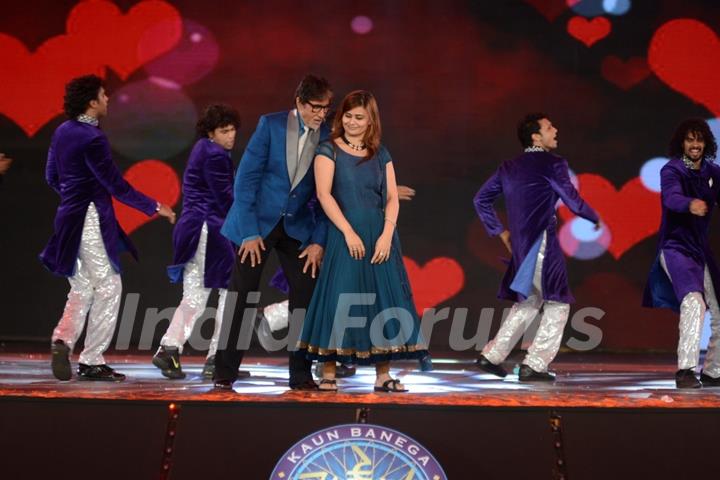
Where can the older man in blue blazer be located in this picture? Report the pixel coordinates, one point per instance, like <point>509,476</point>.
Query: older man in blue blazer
<point>274,208</point>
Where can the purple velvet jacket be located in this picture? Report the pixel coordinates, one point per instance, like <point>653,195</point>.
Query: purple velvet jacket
<point>531,185</point>
<point>683,236</point>
<point>81,170</point>
<point>207,197</point>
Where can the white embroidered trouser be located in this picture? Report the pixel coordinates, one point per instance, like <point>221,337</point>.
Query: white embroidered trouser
<point>277,315</point>
<point>95,288</point>
<point>547,340</point>
<point>192,305</point>
<point>692,315</point>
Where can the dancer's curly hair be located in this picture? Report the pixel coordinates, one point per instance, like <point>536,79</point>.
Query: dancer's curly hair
<point>699,128</point>
<point>215,116</point>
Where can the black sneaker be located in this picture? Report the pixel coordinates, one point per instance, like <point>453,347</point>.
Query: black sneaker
<point>208,370</point>
<point>99,373</point>
<point>167,359</point>
<point>527,374</point>
<point>686,379</point>
<point>487,366</point>
<point>60,361</point>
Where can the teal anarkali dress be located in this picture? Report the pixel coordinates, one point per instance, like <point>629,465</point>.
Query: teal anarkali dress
<point>361,312</point>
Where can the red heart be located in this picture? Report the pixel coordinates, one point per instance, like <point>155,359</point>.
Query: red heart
<point>33,83</point>
<point>550,9</point>
<point>624,74</point>
<point>126,41</point>
<point>155,179</point>
<point>632,214</point>
<point>436,281</point>
<point>685,54</point>
<point>589,31</point>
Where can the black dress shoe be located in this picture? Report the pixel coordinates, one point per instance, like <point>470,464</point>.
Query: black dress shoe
<point>687,379</point>
<point>60,361</point>
<point>527,374</point>
<point>223,384</point>
<point>425,362</point>
<point>99,373</point>
<point>343,370</point>
<point>167,359</point>
<point>208,370</point>
<point>307,385</point>
<point>487,366</point>
<point>708,381</point>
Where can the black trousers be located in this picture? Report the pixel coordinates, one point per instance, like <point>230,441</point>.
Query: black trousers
<point>246,279</point>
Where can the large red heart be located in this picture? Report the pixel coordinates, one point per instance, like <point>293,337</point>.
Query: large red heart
<point>550,9</point>
<point>589,31</point>
<point>33,83</point>
<point>155,179</point>
<point>632,214</point>
<point>624,74</point>
<point>685,54</point>
<point>438,280</point>
<point>126,41</point>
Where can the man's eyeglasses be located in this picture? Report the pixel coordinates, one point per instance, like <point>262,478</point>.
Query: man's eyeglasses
<point>316,108</point>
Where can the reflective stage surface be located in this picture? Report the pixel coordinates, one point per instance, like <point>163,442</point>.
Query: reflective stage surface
<point>602,381</point>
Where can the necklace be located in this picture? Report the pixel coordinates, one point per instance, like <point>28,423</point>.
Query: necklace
<point>358,148</point>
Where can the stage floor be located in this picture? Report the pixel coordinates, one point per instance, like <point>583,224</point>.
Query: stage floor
<point>583,381</point>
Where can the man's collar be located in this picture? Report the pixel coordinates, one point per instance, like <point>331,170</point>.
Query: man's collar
<point>690,164</point>
<point>84,118</point>
<point>534,148</point>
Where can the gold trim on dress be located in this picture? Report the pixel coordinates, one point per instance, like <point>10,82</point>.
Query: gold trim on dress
<point>347,352</point>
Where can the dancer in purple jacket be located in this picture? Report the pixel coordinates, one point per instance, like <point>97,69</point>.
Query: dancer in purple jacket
<point>536,277</point>
<point>203,256</point>
<point>88,240</point>
<point>684,276</point>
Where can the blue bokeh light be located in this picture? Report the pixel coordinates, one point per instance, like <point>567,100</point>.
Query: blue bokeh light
<point>616,7</point>
<point>650,173</point>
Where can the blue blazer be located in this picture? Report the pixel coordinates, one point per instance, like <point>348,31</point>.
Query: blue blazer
<point>263,194</point>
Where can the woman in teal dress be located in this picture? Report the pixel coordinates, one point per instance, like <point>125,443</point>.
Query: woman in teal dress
<point>362,309</point>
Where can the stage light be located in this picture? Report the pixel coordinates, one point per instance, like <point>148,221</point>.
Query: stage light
<point>361,25</point>
<point>150,121</point>
<point>587,8</point>
<point>192,59</point>
<point>616,7</point>
<point>650,173</point>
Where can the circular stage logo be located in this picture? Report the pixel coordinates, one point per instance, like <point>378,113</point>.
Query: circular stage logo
<point>358,451</point>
